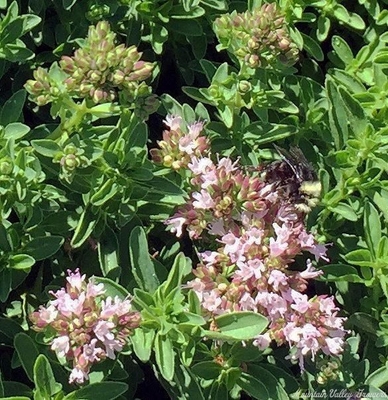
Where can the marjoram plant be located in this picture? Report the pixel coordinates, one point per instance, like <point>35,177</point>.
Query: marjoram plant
<point>193,199</point>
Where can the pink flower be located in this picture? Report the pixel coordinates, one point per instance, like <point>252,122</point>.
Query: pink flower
<point>78,375</point>
<point>319,251</point>
<point>334,345</point>
<point>309,342</point>
<point>93,290</point>
<point>75,279</point>
<point>227,165</point>
<point>177,225</point>
<point>212,301</point>
<point>203,200</point>
<point>173,122</point>
<point>196,128</point>
<point>46,315</point>
<point>217,228</point>
<point>200,166</point>
<point>87,327</point>
<point>277,247</point>
<point>92,353</point>
<point>68,306</point>
<point>61,345</point>
<point>187,144</point>
<point>292,333</point>
<point>103,330</point>
<point>111,346</point>
<point>301,302</point>
<point>276,306</point>
<point>262,341</point>
<point>277,279</point>
<point>310,272</point>
<point>247,303</point>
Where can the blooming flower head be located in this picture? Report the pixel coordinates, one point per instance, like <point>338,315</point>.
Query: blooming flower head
<point>89,326</point>
<point>255,232</point>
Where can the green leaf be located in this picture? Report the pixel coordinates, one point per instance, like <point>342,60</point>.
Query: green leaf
<point>356,114</point>
<point>274,387</point>
<point>5,284</point>
<point>8,330</point>
<point>1,387</point>
<point>21,262</point>
<point>345,210</point>
<point>342,49</point>
<point>365,322</point>
<point>112,288</point>
<point>216,4</point>
<point>261,133</point>
<point>253,386</point>
<point>12,108</point>
<point>289,383</point>
<point>241,325</point>
<point>186,27</point>
<point>343,272</point>
<point>372,227</point>
<point>84,228</point>
<point>196,94</point>
<point>164,356</point>
<point>226,115</point>
<point>207,370</point>
<point>5,244</point>
<point>67,4</point>
<point>312,47</point>
<point>171,106</point>
<point>46,147</point>
<point>374,393</point>
<point>107,190</point>
<point>323,28</point>
<point>44,379</point>
<point>361,257</point>
<point>382,248</point>
<point>27,352</point>
<point>142,342</point>
<point>99,391</point>
<point>337,115</point>
<point>174,280</point>
<point>378,378</point>
<point>178,12</point>
<point>16,130</point>
<point>43,247</point>
<point>12,388</point>
<point>142,267</point>
<point>350,19</point>
<point>108,256</point>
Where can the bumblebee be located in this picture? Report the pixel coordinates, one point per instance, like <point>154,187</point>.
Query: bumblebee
<point>295,179</point>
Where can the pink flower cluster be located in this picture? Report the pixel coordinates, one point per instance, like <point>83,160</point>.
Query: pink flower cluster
<point>178,146</point>
<point>257,233</point>
<point>84,325</point>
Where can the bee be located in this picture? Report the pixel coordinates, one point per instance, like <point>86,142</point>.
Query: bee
<point>295,178</point>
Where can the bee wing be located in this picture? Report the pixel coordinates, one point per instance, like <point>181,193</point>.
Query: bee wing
<point>307,171</point>
<point>289,159</point>
<point>302,169</point>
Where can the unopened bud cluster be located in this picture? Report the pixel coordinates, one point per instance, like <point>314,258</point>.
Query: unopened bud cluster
<point>259,38</point>
<point>71,159</point>
<point>100,71</point>
<point>83,325</point>
<point>44,88</point>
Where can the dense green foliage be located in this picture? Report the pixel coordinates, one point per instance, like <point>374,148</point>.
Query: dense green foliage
<point>82,103</point>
